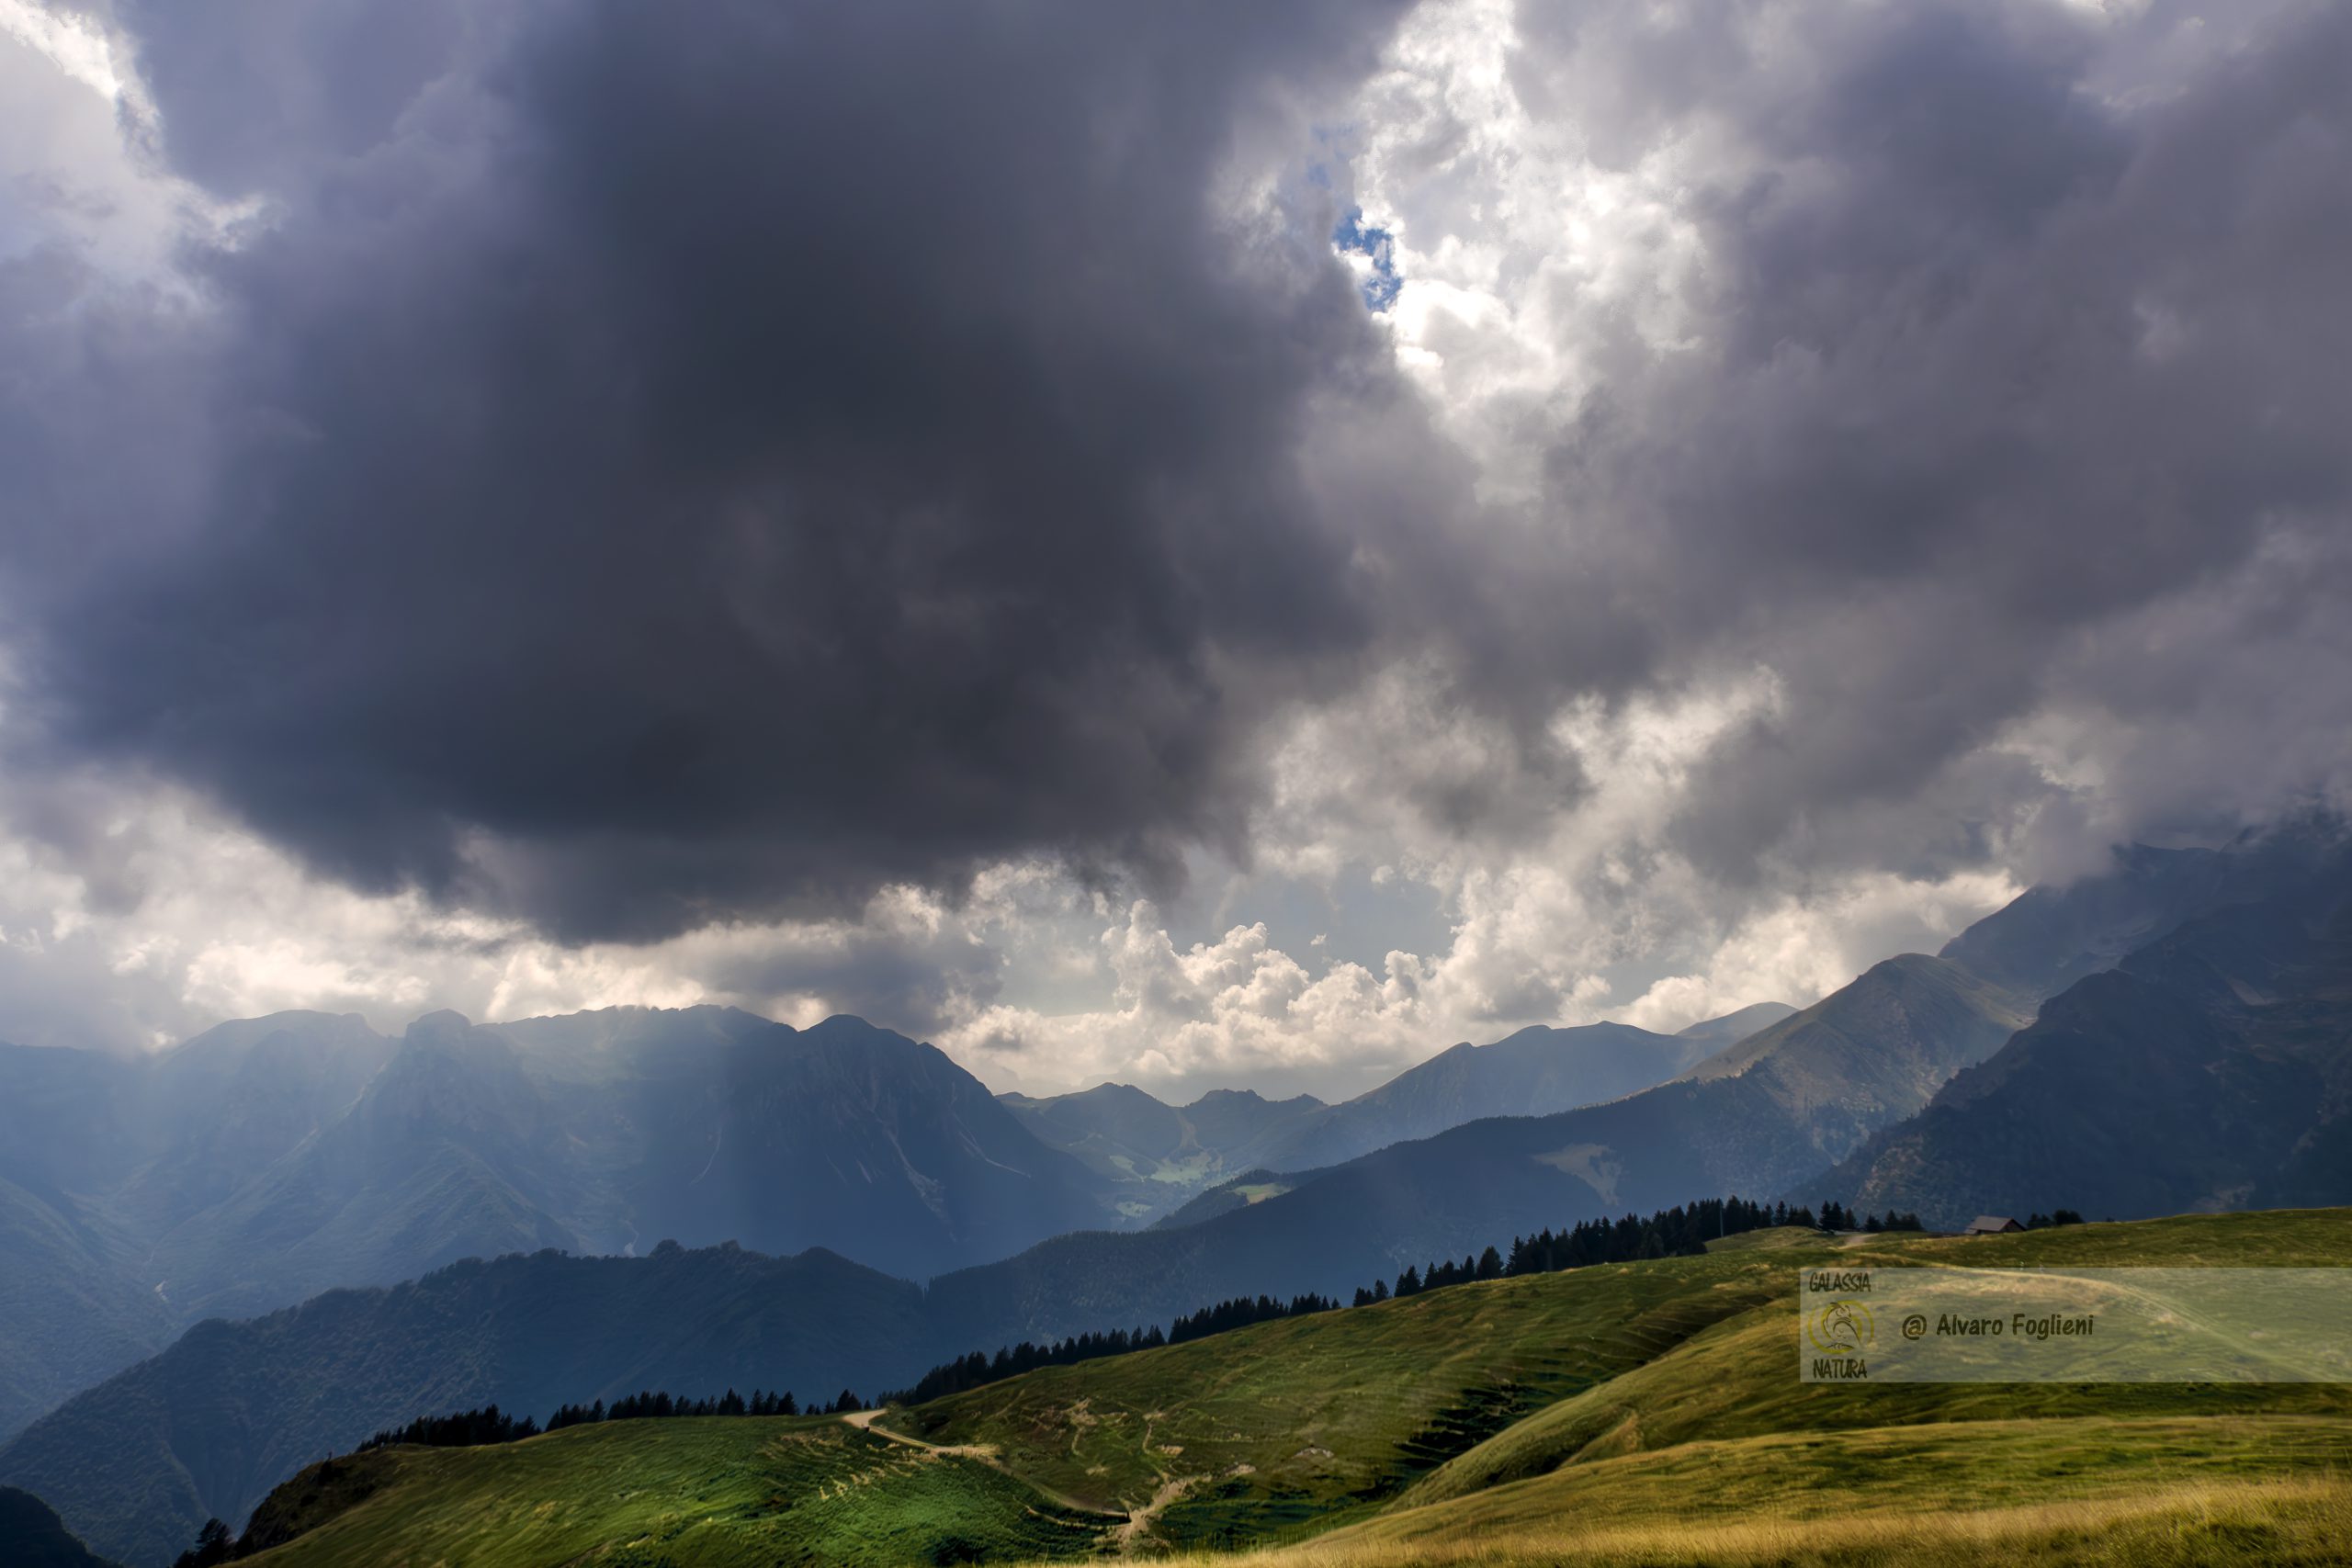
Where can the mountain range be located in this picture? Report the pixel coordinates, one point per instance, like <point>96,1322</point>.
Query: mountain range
<point>1158,1155</point>
<point>1128,1135</point>
<point>2169,1035</point>
<point>270,1159</point>
<point>1860,1058</point>
<point>2210,1069</point>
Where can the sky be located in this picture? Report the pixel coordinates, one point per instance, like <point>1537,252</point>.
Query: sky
<point>1196,550</point>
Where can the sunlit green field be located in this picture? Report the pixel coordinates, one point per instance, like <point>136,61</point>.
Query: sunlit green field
<point>708,1491</point>
<point>2294,1524</point>
<point>1646,1413</point>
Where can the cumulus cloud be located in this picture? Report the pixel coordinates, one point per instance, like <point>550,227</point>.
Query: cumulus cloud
<point>1897,350</point>
<point>1237,1010</point>
<point>133,918</point>
<point>844,509</point>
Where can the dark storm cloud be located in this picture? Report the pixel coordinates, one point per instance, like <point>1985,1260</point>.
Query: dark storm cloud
<point>688,464</point>
<point>658,465</point>
<point>258,94</point>
<point>1989,358</point>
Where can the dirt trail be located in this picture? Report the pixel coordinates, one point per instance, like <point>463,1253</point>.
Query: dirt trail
<point>864,1421</point>
<point>986,1453</point>
<point>1129,1537</point>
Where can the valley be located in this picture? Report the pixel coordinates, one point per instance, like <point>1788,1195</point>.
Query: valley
<point>1348,784</point>
<point>504,1147</point>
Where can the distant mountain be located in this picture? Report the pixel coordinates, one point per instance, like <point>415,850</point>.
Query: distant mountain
<point>1251,1187</point>
<point>1186,1160</point>
<point>2207,1070</point>
<point>2050,937</point>
<point>2212,1069</point>
<point>210,1425</point>
<point>219,1110</point>
<point>1782,1106</point>
<point>852,1137</point>
<point>1532,1072</point>
<point>1735,1027</point>
<point>70,1309</point>
<point>102,1156</point>
<point>233,1408</point>
<point>1159,1154</point>
<point>272,1159</point>
<point>1872,1052</point>
<point>66,1120</point>
<point>32,1536</point>
<point>448,1152</point>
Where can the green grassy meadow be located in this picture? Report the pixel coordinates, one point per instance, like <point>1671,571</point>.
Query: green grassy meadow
<point>716,1491</point>
<point>1647,1412</point>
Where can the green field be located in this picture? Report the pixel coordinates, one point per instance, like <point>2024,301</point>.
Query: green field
<point>717,1491</point>
<point>1644,1412</point>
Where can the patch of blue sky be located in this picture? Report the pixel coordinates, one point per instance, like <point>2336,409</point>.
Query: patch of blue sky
<point>1375,249</point>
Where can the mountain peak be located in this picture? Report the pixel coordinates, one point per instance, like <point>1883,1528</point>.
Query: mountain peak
<point>444,1023</point>
<point>849,1026</point>
<point>1738,1025</point>
<point>239,1035</point>
<point>1890,1039</point>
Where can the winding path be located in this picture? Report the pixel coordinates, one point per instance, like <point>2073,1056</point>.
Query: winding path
<point>1130,1522</point>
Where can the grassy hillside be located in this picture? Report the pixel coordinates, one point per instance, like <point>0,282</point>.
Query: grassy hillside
<point>2286,1524</point>
<point>1285,1423</point>
<point>211,1425</point>
<point>1638,1413</point>
<point>704,1491</point>
<point>1737,1381</point>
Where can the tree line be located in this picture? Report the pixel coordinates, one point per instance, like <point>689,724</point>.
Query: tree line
<point>1838,1217</point>
<point>979,1368</point>
<point>1675,1232</point>
<point>472,1428</point>
<point>655,1406</point>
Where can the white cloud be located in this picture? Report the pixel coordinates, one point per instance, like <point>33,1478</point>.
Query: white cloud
<point>1592,917</point>
<point>1233,1010</point>
<point>77,47</point>
<point>1798,952</point>
<point>78,165</point>
<point>1543,208</point>
<point>1522,255</point>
